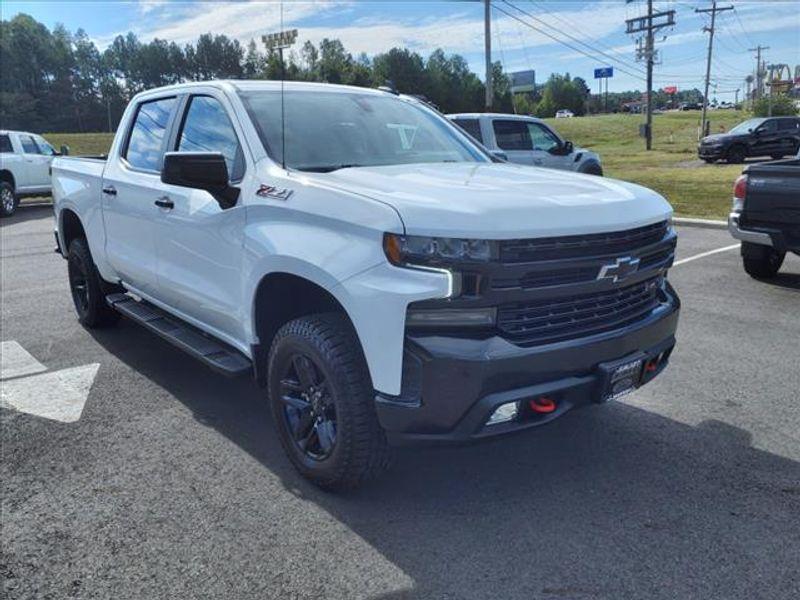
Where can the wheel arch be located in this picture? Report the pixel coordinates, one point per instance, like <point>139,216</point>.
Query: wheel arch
<point>70,227</point>
<point>8,177</point>
<point>281,297</point>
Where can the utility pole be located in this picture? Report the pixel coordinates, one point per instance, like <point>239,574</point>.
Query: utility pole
<point>488,43</point>
<point>713,10</point>
<point>650,23</point>
<point>759,69</point>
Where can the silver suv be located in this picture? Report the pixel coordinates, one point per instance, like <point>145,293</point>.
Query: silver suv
<point>527,141</point>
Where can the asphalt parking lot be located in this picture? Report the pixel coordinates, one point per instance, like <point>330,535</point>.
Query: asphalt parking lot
<point>171,483</point>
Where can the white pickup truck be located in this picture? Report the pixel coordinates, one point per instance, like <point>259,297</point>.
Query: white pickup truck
<point>24,168</point>
<point>369,264</point>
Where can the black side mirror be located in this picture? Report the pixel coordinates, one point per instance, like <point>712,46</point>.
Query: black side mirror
<point>568,148</point>
<point>64,150</point>
<point>203,171</point>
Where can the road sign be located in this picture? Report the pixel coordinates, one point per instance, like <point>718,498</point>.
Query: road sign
<point>280,40</point>
<point>604,73</point>
<point>523,81</point>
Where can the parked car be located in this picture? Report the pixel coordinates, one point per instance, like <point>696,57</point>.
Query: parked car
<point>766,215</point>
<point>369,264</point>
<point>527,141</point>
<point>24,168</point>
<point>766,136</point>
<point>564,114</point>
<point>690,106</point>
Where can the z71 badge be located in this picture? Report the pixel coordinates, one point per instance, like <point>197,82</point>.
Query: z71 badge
<point>267,191</point>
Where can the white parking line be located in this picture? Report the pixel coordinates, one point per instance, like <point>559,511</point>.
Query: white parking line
<point>704,254</point>
<point>15,361</point>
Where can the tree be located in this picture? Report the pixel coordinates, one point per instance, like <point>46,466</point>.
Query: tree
<point>782,106</point>
<point>403,68</point>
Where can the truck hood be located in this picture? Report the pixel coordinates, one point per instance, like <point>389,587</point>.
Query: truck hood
<point>502,201</point>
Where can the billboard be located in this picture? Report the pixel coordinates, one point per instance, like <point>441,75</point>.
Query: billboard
<point>604,72</point>
<point>671,89</point>
<point>523,81</point>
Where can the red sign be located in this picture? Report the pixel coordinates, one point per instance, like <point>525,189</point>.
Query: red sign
<point>671,89</point>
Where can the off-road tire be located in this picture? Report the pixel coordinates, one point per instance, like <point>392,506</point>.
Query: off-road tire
<point>8,199</point>
<point>90,301</point>
<point>360,451</point>
<point>761,262</point>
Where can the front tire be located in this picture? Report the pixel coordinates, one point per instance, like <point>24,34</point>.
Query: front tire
<point>736,154</point>
<point>761,262</point>
<point>8,199</point>
<point>88,294</point>
<point>322,402</point>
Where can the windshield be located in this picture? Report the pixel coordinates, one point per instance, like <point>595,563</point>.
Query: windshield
<point>326,131</point>
<point>747,125</point>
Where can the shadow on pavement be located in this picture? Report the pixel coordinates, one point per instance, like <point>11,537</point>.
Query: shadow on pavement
<point>26,213</point>
<point>612,502</point>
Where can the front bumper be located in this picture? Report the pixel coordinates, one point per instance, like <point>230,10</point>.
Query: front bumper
<point>452,386</point>
<point>711,152</point>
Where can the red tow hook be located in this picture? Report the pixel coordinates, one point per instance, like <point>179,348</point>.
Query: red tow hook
<point>651,365</point>
<point>542,405</point>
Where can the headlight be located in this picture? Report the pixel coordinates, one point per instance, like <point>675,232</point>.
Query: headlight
<point>423,250</point>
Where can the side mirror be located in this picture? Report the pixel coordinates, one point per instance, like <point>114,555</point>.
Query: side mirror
<point>568,148</point>
<point>64,150</point>
<point>203,171</point>
<point>499,155</point>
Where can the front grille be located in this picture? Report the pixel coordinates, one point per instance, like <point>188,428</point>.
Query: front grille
<point>570,317</point>
<point>581,246</point>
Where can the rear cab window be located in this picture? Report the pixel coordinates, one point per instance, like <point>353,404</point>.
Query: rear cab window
<point>147,137</point>
<point>471,126</point>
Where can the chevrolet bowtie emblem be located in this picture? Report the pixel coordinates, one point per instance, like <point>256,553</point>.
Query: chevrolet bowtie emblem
<point>619,270</point>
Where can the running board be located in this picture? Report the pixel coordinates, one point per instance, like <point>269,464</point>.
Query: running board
<point>216,354</point>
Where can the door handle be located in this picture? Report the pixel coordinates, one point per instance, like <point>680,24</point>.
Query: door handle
<point>110,190</point>
<point>165,202</point>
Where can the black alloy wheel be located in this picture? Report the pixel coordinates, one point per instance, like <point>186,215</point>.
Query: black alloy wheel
<point>78,284</point>
<point>309,409</point>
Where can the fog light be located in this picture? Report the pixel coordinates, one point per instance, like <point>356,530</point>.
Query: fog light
<point>503,413</point>
<point>451,317</point>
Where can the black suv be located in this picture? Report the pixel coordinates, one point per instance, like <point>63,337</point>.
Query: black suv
<point>772,136</point>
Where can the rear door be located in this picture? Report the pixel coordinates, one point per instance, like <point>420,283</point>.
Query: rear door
<point>471,126</point>
<point>200,245</point>
<point>788,136</point>
<point>36,165</point>
<point>131,186</point>
<point>514,138</point>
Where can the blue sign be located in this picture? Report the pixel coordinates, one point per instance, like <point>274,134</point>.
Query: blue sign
<point>604,72</point>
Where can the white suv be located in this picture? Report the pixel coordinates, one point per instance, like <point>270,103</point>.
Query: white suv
<point>527,141</point>
<point>24,168</point>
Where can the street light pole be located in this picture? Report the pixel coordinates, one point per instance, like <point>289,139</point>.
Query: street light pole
<point>488,49</point>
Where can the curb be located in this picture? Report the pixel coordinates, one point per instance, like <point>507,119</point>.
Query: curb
<point>705,223</point>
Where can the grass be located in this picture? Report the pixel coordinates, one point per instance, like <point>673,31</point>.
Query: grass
<point>694,188</point>
<point>672,168</point>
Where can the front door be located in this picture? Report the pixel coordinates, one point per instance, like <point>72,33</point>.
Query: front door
<point>545,147</point>
<point>765,139</point>
<point>200,245</point>
<point>131,186</point>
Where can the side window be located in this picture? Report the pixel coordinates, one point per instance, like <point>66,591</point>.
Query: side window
<point>543,138</point>
<point>207,128</point>
<point>472,127</point>
<point>512,135</point>
<point>5,144</point>
<point>44,146</point>
<point>146,139</point>
<point>768,126</point>
<point>28,145</point>
<point>788,125</point>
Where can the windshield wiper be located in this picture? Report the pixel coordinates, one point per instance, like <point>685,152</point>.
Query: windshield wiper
<point>328,168</point>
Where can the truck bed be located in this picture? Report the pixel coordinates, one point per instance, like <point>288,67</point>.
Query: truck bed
<point>773,199</point>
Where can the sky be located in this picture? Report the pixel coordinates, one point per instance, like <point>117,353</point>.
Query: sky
<point>574,36</point>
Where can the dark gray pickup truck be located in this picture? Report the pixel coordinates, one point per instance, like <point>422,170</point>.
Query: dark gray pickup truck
<point>766,215</point>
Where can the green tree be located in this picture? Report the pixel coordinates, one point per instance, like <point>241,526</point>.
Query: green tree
<point>782,106</point>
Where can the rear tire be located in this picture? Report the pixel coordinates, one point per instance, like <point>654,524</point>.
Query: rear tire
<point>8,199</point>
<point>761,262</point>
<point>736,154</point>
<point>322,402</point>
<point>87,288</point>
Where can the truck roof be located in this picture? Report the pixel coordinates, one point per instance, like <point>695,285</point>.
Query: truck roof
<point>504,116</point>
<point>234,85</point>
